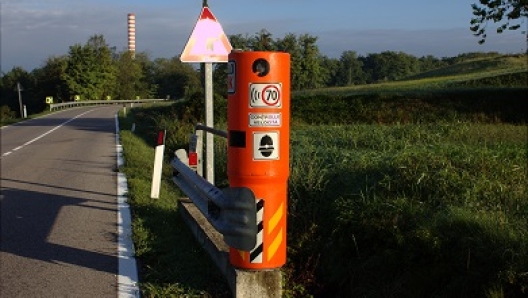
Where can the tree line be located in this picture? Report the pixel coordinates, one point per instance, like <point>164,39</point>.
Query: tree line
<point>97,71</point>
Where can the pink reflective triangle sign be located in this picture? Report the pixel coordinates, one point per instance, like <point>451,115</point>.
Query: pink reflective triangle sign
<point>208,42</point>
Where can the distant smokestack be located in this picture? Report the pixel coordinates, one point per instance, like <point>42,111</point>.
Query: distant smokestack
<point>132,33</point>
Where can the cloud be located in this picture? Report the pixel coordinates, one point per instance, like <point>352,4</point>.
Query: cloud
<point>33,30</point>
<point>436,42</point>
<point>31,33</point>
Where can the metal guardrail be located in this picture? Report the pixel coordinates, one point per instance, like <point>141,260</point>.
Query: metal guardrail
<point>221,133</point>
<point>231,211</point>
<point>56,106</point>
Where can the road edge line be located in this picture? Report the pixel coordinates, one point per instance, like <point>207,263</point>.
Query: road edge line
<point>127,280</point>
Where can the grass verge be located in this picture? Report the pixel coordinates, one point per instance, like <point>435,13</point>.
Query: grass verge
<point>171,263</point>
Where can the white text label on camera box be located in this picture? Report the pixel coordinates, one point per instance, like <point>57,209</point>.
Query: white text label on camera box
<point>265,119</point>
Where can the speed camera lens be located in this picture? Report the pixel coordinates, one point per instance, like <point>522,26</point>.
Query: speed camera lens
<point>261,67</point>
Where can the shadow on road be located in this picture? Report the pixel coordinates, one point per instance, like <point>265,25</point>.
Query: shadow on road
<point>27,219</point>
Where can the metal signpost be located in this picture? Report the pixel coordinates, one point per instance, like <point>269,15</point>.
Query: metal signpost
<point>207,44</point>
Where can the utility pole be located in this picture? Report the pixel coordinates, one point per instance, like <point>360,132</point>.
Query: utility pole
<point>19,88</point>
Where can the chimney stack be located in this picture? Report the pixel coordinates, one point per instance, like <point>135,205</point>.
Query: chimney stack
<point>132,33</point>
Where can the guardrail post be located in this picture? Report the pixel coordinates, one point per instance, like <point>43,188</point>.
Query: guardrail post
<point>258,148</point>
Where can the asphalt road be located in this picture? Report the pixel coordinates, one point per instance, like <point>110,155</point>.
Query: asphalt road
<point>58,230</point>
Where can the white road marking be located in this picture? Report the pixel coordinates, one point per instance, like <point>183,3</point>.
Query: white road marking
<point>127,279</point>
<point>46,133</point>
<point>55,128</point>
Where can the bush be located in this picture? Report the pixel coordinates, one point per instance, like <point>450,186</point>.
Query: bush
<point>481,105</point>
<point>6,114</point>
<point>519,79</point>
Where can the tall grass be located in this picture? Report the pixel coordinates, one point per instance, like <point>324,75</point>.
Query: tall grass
<point>491,105</point>
<point>414,210</point>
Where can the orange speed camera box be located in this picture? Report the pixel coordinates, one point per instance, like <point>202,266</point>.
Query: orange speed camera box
<point>258,119</point>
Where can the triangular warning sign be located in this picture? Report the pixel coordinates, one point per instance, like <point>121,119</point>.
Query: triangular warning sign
<point>208,42</point>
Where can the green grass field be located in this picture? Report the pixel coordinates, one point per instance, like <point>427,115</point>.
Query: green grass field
<point>411,196</point>
<point>417,210</point>
<point>475,68</point>
<point>513,68</point>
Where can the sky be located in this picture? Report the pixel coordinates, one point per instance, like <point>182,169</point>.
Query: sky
<point>31,31</point>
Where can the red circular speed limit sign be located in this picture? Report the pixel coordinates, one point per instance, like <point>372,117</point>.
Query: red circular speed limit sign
<point>265,95</point>
<point>271,95</point>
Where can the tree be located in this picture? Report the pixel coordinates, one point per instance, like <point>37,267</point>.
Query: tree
<point>349,70</point>
<point>90,71</point>
<point>128,78</point>
<point>262,41</point>
<point>49,82</point>
<point>330,69</point>
<point>510,13</point>
<point>239,42</point>
<point>105,65</point>
<point>310,64</point>
<point>429,62</point>
<point>8,88</point>
<point>290,44</point>
<point>175,79</point>
<point>389,66</point>
<point>146,86</point>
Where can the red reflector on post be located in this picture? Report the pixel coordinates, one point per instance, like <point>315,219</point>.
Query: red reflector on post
<point>193,159</point>
<point>161,137</point>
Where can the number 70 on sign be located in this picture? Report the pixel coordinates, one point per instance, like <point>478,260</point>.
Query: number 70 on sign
<point>265,95</point>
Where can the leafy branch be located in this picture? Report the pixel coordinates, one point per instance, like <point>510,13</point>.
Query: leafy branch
<point>509,13</point>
